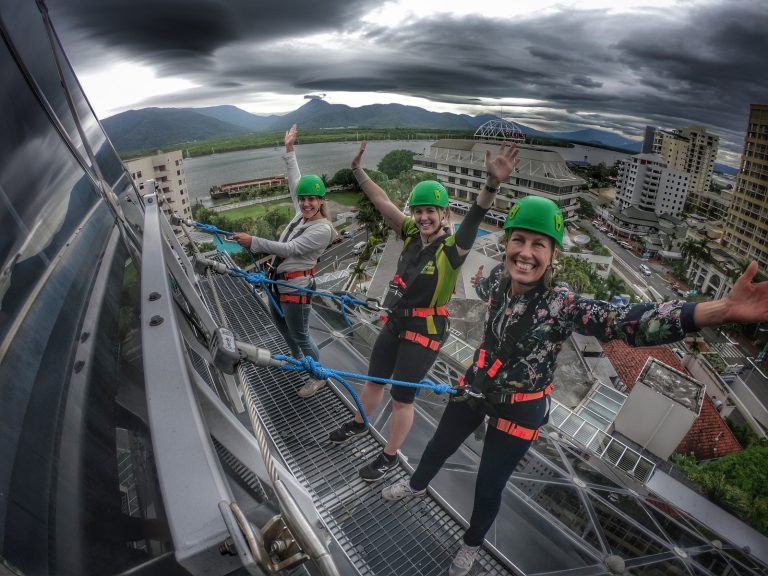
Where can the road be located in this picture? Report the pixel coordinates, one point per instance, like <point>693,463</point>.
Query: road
<point>653,288</point>
<point>656,288</point>
<point>336,254</point>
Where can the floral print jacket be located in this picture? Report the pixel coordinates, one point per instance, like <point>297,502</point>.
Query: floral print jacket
<point>527,331</point>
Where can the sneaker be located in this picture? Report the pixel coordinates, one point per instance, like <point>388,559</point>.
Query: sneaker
<point>401,489</point>
<point>377,468</point>
<point>462,562</point>
<point>311,387</point>
<point>347,431</point>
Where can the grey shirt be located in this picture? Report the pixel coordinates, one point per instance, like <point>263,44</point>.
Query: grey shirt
<point>302,242</point>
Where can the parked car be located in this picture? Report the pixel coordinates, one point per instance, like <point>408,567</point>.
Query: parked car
<point>625,245</point>
<point>611,235</point>
<point>645,270</point>
<point>735,369</point>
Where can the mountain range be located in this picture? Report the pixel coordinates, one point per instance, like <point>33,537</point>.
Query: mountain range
<point>155,128</point>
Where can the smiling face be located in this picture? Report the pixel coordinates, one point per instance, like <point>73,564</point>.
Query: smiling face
<point>310,207</point>
<point>428,219</point>
<point>528,256</point>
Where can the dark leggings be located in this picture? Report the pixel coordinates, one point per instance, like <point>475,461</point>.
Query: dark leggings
<point>501,454</point>
<point>398,359</point>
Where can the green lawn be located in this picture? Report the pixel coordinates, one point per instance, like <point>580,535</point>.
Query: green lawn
<point>345,198</point>
<point>256,210</point>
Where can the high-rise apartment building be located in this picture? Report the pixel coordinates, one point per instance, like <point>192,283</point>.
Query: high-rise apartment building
<point>645,181</point>
<point>167,170</point>
<point>692,150</point>
<point>746,228</point>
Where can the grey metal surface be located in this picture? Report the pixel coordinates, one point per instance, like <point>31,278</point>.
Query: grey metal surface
<point>380,538</point>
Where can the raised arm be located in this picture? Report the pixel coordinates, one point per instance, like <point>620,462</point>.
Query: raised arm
<point>291,164</point>
<point>391,213</point>
<point>747,303</point>
<point>498,169</point>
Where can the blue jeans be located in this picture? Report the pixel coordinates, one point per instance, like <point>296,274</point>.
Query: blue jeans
<point>501,454</point>
<point>295,327</point>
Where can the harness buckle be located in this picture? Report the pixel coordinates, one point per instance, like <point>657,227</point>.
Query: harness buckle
<point>465,394</point>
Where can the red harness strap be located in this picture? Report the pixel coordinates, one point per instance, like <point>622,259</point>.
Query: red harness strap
<point>421,340</point>
<point>426,312</point>
<point>513,429</point>
<point>398,280</point>
<point>295,299</point>
<point>298,273</point>
<point>525,396</point>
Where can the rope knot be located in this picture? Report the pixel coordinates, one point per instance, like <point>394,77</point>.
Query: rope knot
<point>314,368</point>
<point>443,389</point>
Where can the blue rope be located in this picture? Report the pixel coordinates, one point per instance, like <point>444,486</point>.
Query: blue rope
<point>318,372</point>
<point>258,278</point>
<point>218,232</point>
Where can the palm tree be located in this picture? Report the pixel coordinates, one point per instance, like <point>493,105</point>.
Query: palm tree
<point>615,285</point>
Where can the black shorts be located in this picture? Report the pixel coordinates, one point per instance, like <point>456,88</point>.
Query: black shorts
<point>399,359</point>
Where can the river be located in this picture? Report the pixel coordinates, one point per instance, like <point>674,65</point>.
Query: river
<point>325,158</point>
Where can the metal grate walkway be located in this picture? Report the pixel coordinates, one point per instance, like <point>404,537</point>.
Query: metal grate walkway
<point>411,537</point>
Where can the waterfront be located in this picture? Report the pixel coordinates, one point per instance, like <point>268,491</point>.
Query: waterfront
<point>325,158</point>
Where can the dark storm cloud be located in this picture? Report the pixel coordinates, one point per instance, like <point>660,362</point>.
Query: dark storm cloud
<point>686,63</point>
<point>585,81</point>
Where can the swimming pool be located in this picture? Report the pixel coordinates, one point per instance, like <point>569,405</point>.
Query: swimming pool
<point>480,231</point>
<point>228,247</point>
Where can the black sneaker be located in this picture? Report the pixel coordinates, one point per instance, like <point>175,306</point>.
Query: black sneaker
<point>377,468</point>
<point>347,431</point>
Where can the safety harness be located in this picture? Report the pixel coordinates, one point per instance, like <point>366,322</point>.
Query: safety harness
<point>398,286</point>
<point>275,275</point>
<point>490,359</point>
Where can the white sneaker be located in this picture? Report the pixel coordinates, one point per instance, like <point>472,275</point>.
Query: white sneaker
<point>311,387</point>
<point>401,489</point>
<point>462,562</point>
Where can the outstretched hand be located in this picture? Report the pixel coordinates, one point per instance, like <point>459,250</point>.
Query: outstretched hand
<point>747,303</point>
<point>290,137</point>
<point>243,239</point>
<point>499,167</point>
<point>359,156</point>
<point>477,277</point>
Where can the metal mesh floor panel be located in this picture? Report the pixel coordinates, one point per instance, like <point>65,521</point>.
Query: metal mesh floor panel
<point>411,537</point>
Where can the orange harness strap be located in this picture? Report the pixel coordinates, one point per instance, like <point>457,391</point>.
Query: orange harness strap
<point>421,340</point>
<point>295,299</point>
<point>427,312</point>
<point>514,429</point>
<point>298,273</point>
<point>525,396</point>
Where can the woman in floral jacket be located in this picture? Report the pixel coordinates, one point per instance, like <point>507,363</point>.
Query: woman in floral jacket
<point>511,377</point>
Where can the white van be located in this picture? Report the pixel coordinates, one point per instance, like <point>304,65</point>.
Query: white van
<point>358,248</point>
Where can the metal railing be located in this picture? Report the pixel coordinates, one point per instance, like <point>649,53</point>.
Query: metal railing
<point>609,449</point>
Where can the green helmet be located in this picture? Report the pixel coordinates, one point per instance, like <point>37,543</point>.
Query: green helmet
<point>537,214</point>
<point>428,193</point>
<point>310,185</point>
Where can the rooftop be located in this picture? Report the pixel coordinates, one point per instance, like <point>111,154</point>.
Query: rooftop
<point>709,437</point>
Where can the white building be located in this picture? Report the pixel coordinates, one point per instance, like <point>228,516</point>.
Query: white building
<point>167,170</point>
<point>645,181</point>
<point>460,166</point>
<point>691,150</point>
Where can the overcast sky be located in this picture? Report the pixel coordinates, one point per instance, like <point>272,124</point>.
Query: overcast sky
<point>554,65</point>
